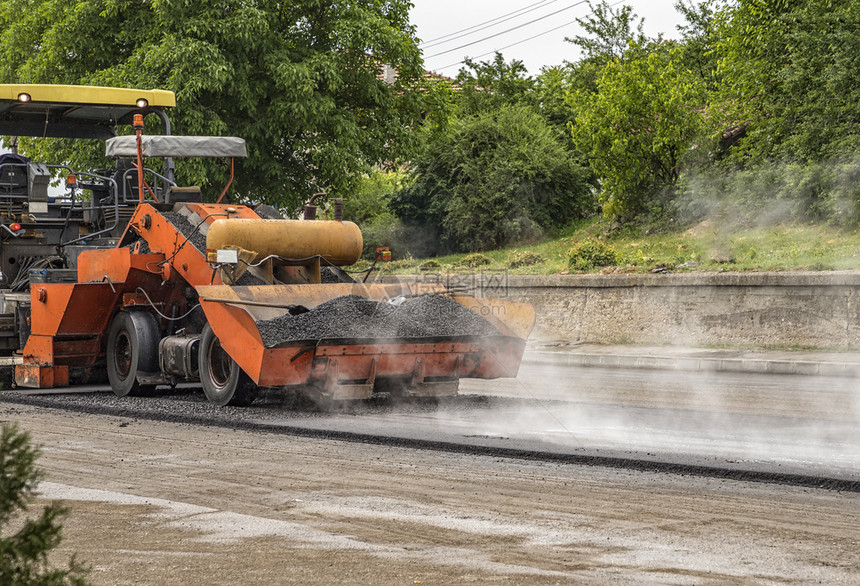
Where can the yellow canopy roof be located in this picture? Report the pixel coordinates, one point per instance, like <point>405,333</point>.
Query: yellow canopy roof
<point>74,111</point>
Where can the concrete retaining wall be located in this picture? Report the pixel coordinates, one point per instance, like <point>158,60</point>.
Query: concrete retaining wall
<point>814,309</point>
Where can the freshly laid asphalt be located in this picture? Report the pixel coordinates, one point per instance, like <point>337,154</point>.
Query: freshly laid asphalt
<point>840,364</point>
<point>741,414</point>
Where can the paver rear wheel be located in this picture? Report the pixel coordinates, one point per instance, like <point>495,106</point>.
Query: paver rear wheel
<point>132,347</point>
<point>223,381</point>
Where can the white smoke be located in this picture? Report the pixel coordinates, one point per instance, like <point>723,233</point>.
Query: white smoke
<point>802,421</point>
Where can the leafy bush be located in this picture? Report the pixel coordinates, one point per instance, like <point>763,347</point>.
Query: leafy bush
<point>430,265</point>
<point>497,177</point>
<point>773,193</point>
<point>396,265</point>
<point>524,258</point>
<point>591,253</point>
<point>473,261</point>
<point>368,203</point>
<point>368,206</point>
<point>381,234</point>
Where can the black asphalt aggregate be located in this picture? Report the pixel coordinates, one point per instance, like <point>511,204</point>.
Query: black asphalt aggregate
<point>351,316</point>
<point>187,229</point>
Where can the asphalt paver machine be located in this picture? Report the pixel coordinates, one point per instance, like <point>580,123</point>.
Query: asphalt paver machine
<point>148,282</point>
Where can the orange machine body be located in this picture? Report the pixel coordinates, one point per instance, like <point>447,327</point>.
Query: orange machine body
<point>157,268</point>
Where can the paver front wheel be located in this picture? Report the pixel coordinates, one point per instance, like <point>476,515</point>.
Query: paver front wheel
<point>132,347</point>
<point>223,381</point>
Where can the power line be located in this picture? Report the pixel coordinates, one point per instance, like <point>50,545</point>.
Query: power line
<point>552,30</point>
<point>513,14</point>
<point>546,32</point>
<point>485,25</point>
<point>508,30</point>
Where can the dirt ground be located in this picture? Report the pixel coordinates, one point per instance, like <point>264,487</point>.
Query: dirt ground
<point>171,503</point>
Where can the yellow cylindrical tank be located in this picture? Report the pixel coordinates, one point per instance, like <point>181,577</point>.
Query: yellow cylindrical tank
<point>339,243</point>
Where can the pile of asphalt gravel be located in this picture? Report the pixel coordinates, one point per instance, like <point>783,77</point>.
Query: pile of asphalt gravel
<point>332,275</point>
<point>144,245</point>
<point>249,280</point>
<point>187,229</point>
<point>352,316</point>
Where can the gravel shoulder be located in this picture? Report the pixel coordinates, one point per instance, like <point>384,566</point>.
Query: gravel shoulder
<point>173,503</point>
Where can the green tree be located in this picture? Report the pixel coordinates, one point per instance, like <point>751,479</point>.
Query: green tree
<point>552,88</point>
<point>498,177</point>
<point>300,81</point>
<point>610,32</point>
<point>369,206</point>
<point>699,34</point>
<point>368,203</point>
<point>639,127</point>
<point>24,554</point>
<point>791,77</point>
<point>489,85</point>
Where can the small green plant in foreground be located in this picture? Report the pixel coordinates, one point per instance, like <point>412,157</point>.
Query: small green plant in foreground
<point>592,253</point>
<point>24,554</point>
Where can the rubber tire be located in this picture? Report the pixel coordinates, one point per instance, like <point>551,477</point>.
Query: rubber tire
<point>132,347</point>
<point>224,383</point>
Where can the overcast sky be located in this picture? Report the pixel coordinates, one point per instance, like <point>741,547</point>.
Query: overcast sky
<point>439,18</point>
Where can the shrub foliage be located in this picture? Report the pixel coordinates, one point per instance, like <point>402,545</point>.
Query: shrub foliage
<point>524,258</point>
<point>24,554</point>
<point>473,261</point>
<point>496,178</point>
<point>589,254</point>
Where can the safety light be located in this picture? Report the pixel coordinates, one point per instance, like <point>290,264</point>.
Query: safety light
<point>138,121</point>
<point>71,180</point>
<point>15,226</point>
<point>142,102</point>
<point>22,97</point>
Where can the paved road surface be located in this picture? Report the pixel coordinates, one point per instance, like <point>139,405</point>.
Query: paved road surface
<point>177,503</point>
<point>170,503</point>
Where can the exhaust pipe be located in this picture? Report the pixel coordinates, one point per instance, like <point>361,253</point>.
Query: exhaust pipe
<point>311,209</point>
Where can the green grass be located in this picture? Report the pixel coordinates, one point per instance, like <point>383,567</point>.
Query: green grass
<point>705,247</point>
